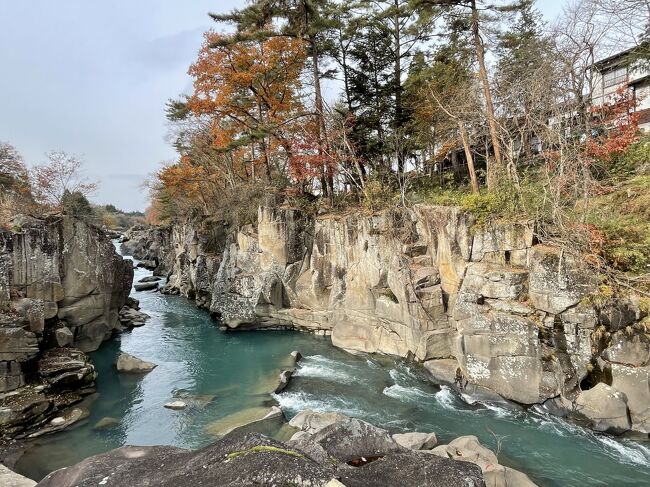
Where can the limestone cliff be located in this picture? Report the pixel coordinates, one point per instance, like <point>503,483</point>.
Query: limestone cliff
<point>488,309</point>
<point>61,285</point>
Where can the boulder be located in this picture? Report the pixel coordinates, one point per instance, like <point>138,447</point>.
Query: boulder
<point>146,286</point>
<point>469,449</point>
<point>605,408</point>
<point>107,422</point>
<point>411,469</point>
<point>131,318</point>
<point>58,421</point>
<point>285,376</point>
<point>352,439</point>
<point>150,279</point>
<point>416,441</point>
<point>12,479</point>
<point>147,264</point>
<point>175,405</point>
<point>633,382</point>
<point>133,365</point>
<point>312,422</point>
<point>628,350</point>
<point>63,337</point>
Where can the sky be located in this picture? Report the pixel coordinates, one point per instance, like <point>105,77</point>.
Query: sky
<point>91,78</point>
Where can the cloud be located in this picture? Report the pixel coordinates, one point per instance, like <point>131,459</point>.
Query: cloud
<point>166,53</point>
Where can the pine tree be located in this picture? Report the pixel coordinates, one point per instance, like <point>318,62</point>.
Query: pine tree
<point>307,20</point>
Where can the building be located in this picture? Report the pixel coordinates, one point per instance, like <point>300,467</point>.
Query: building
<point>625,69</point>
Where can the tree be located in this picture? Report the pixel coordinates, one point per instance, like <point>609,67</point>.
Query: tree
<point>479,11</point>
<point>306,20</point>
<point>616,126</point>
<point>75,203</point>
<point>249,91</point>
<point>62,174</point>
<point>525,56</point>
<point>15,192</point>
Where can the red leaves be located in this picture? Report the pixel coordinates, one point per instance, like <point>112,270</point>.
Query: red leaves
<point>309,158</point>
<point>617,125</point>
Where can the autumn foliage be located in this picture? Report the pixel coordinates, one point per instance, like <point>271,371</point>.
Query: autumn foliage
<point>250,92</point>
<point>616,125</point>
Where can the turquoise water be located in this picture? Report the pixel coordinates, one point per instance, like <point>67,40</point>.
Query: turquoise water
<point>226,376</point>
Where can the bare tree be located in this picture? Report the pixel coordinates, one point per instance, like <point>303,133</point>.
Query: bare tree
<point>62,174</point>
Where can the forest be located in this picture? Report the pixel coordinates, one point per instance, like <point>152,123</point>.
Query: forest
<point>331,106</point>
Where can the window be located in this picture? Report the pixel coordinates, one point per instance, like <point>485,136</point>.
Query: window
<point>615,77</point>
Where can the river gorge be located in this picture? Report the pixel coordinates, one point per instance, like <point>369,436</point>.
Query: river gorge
<point>409,332</point>
<point>233,372</point>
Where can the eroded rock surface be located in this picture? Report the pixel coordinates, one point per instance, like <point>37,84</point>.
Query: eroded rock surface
<point>61,287</point>
<point>241,459</point>
<point>486,309</point>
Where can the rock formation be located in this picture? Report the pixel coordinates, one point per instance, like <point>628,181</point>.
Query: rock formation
<point>484,308</point>
<point>350,453</point>
<point>61,285</point>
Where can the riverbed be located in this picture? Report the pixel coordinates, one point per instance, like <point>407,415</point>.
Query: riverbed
<point>224,376</point>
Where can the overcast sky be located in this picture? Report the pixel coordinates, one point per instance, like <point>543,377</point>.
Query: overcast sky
<point>91,77</point>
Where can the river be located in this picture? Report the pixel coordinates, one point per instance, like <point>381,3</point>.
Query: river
<point>226,376</point>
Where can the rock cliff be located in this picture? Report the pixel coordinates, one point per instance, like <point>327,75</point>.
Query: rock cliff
<point>485,308</point>
<point>61,285</point>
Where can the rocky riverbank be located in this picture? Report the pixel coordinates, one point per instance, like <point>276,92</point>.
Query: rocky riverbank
<point>62,287</point>
<point>486,309</point>
<point>326,450</point>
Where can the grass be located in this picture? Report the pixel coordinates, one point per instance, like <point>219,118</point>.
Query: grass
<point>623,218</point>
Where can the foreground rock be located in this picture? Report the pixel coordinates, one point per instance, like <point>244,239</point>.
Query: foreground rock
<point>468,449</point>
<point>416,441</point>
<point>12,479</point>
<point>333,435</point>
<point>129,364</point>
<point>252,459</point>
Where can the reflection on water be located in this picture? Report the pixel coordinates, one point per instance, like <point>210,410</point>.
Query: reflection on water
<point>225,377</point>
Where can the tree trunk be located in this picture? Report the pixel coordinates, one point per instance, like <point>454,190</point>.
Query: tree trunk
<point>468,155</point>
<point>399,151</point>
<point>326,177</point>
<point>495,170</point>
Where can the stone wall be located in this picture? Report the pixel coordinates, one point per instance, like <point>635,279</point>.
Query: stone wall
<point>485,309</point>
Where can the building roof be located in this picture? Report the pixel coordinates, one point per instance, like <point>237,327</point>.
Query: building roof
<point>615,59</point>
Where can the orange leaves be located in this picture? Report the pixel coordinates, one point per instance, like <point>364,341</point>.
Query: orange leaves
<point>182,178</point>
<point>247,81</point>
<point>250,91</point>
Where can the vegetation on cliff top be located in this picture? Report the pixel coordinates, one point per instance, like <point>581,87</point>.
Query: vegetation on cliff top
<point>477,104</point>
<point>57,186</point>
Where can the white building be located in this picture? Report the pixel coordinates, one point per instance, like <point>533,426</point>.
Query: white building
<point>624,69</point>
